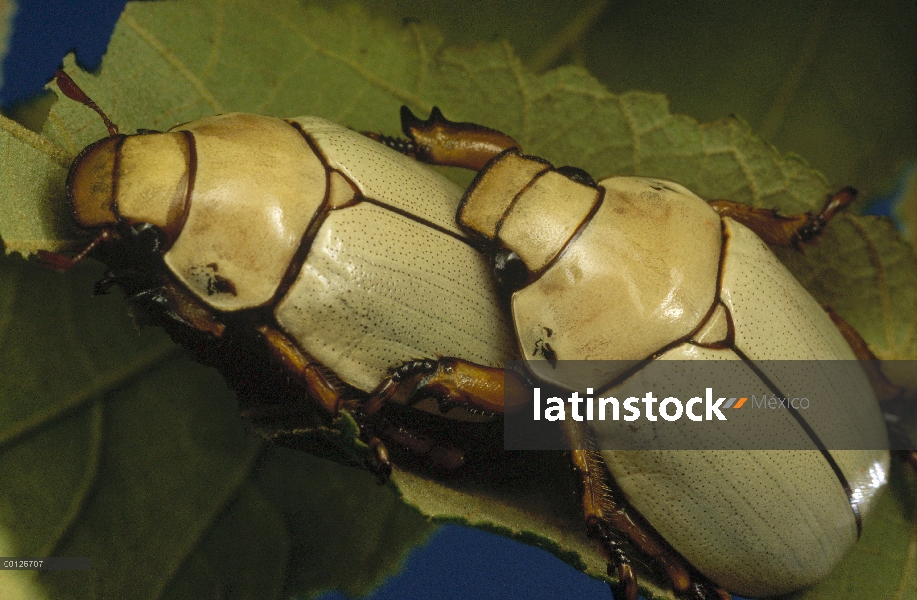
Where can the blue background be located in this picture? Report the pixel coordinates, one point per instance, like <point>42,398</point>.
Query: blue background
<point>457,562</point>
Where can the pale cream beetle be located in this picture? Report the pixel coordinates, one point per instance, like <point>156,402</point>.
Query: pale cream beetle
<point>634,270</point>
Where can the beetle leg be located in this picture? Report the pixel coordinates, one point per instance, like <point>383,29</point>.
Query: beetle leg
<point>700,591</point>
<point>113,277</point>
<point>319,389</point>
<point>890,396</point>
<point>885,390</point>
<point>167,303</point>
<point>62,262</point>
<point>381,463</point>
<point>605,515</point>
<point>452,381</point>
<point>439,141</point>
<point>779,230</point>
<point>445,458</point>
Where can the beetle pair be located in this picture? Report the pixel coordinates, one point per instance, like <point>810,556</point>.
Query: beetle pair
<point>317,251</point>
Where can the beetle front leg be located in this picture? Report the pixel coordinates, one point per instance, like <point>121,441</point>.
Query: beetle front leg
<point>439,141</point>
<point>791,230</point>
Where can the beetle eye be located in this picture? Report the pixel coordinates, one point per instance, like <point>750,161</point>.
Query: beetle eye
<point>511,272</point>
<point>578,175</point>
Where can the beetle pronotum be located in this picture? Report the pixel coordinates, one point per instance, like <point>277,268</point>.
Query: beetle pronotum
<point>316,248</point>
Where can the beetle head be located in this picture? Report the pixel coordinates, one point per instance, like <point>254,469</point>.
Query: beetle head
<point>122,182</point>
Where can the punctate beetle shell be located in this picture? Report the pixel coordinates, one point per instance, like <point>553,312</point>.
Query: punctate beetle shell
<point>639,268</point>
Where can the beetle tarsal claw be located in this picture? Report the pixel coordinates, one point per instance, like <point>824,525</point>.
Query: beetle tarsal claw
<point>379,462</point>
<point>627,581</point>
<point>619,565</point>
<point>700,591</point>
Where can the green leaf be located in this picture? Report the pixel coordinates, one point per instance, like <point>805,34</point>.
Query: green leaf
<point>34,171</point>
<point>832,81</point>
<point>865,271</point>
<point>113,445</point>
<point>130,414</point>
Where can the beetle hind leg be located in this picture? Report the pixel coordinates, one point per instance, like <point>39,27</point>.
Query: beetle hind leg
<point>790,230</point>
<point>440,457</point>
<point>608,518</point>
<point>376,430</point>
<point>892,398</point>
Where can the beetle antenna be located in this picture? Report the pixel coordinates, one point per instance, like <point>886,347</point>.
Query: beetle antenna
<point>62,262</point>
<point>73,91</point>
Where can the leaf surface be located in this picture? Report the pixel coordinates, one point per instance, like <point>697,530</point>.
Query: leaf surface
<point>114,445</point>
<point>131,414</point>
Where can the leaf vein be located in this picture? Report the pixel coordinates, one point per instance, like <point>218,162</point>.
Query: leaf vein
<point>88,484</point>
<point>526,109</point>
<point>632,125</point>
<point>238,478</point>
<point>36,141</point>
<point>175,62</point>
<point>423,66</point>
<point>129,370</point>
<point>288,73</point>
<point>359,69</point>
<point>217,40</point>
<point>746,170</point>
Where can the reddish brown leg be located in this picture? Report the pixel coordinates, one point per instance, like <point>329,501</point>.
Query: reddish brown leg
<point>889,394</point>
<point>452,381</point>
<point>606,517</point>
<point>181,305</point>
<point>445,458</point>
<point>329,397</point>
<point>885,390</point>
<point>382,462</point>
<point>326,395</point>
<point>779,230</point>
<point>439,141</point>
